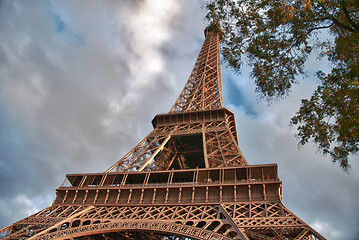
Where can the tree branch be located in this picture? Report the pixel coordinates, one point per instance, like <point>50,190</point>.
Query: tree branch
<point>323,27</point>
<point>347,16</point>
<point>334,20</point>
<point>340,24</point>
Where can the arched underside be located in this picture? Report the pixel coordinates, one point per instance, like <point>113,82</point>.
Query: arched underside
<point>140,229</point>
<point>138,235</point>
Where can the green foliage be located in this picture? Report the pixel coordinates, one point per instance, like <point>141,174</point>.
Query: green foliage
<point>277,36</point>
<point>214,26</point>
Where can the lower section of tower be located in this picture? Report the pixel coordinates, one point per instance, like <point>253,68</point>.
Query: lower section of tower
<point>220,203</point>
<point>218,221</point>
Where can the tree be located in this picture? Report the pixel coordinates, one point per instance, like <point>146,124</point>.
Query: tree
<point>276,37</point>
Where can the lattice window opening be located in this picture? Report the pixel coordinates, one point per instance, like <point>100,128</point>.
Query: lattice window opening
<point>64,226</point>
<point>224,228</point>
<point>213,225</point>
<point>5,232</point>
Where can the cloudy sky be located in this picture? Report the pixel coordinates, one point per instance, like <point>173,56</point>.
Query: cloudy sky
<point>80,82</point>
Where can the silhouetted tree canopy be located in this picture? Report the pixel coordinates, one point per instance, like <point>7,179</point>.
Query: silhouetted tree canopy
<point>277,36</point>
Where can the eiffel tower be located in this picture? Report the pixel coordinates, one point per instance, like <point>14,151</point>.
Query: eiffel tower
<point>187,179</point>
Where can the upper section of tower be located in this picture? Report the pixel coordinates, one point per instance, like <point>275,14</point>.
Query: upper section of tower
<point>203,89</point>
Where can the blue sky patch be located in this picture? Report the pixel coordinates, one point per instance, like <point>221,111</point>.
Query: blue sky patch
<point>60,24</point>
<point>236,96</point>
<point>62,27</point>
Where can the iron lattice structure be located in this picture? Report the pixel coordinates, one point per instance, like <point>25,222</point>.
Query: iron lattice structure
<point>187,179</point>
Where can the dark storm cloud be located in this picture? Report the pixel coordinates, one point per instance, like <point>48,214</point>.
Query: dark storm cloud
<point>80,82</point>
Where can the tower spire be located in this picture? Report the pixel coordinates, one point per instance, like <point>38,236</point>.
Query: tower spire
<point>203,88</point>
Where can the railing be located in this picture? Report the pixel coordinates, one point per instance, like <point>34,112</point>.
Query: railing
<point>178,184</point>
